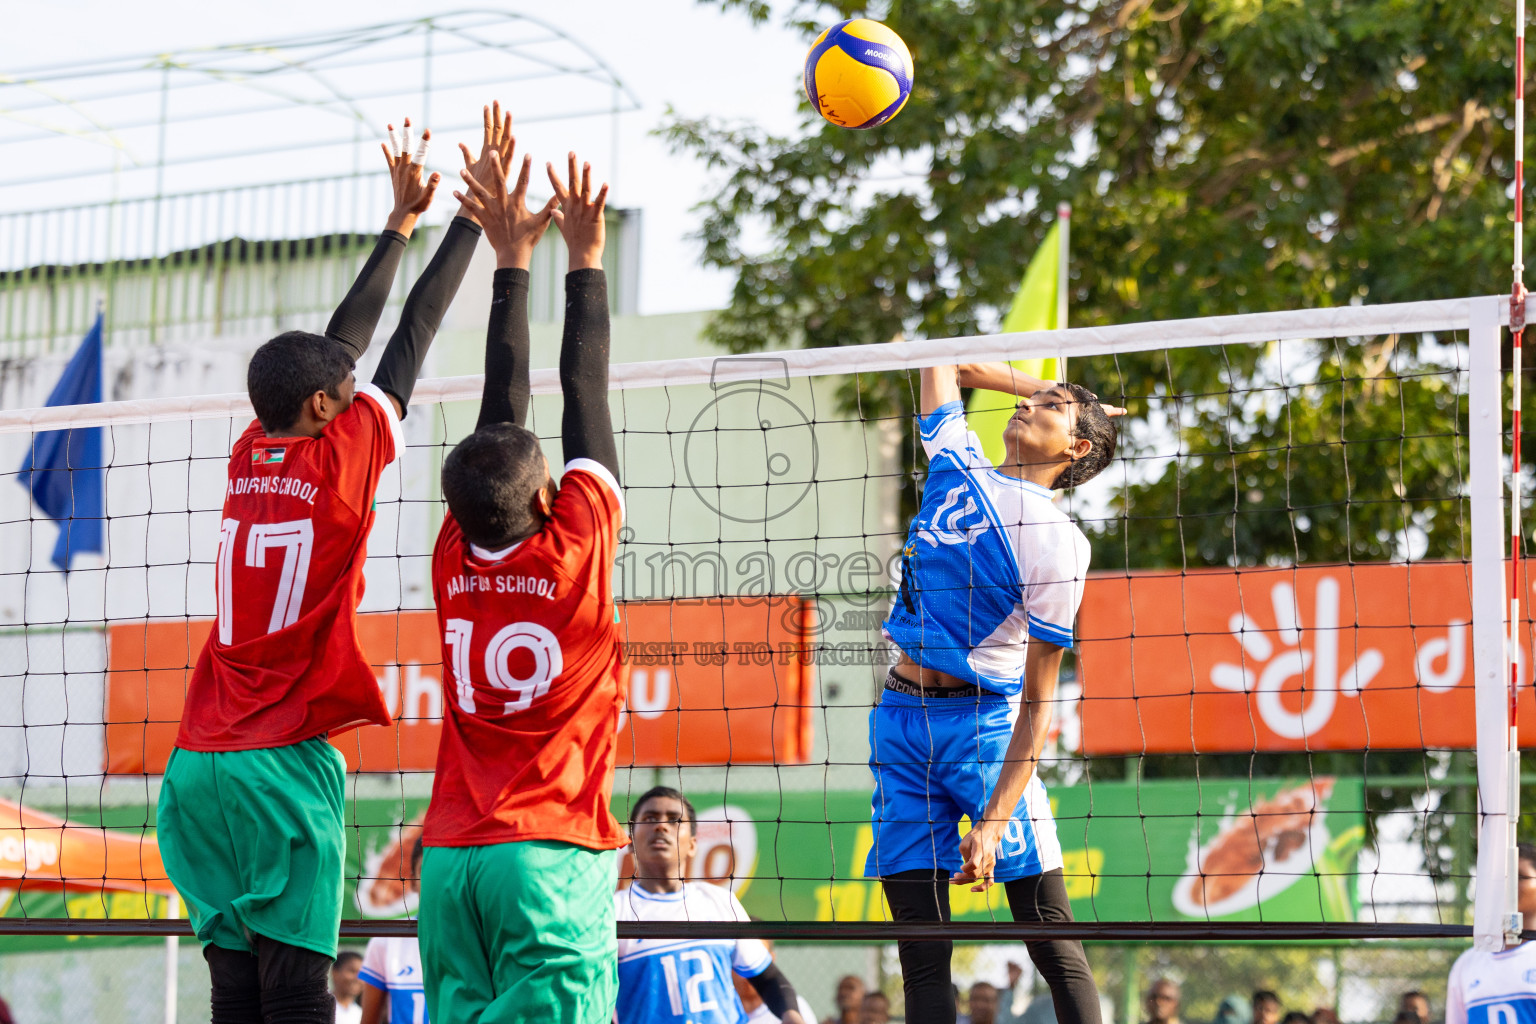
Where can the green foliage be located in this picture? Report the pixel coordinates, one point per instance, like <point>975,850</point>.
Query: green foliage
<point>1221,156</point>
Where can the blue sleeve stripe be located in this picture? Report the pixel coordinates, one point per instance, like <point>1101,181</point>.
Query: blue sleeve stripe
<point>372,979</point>
<point>929,425</point>
<point>1039,629</point>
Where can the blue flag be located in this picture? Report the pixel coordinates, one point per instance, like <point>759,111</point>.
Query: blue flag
<point>64,470</point>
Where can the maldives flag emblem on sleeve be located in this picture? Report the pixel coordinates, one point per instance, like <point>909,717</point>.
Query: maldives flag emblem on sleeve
<point>266,456</point>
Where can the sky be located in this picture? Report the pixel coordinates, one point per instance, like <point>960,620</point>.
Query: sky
<point>692,58</point>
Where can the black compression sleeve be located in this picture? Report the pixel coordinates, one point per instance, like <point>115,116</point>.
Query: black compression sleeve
<point>505,398</point>
<point>423,312</point>
<point>778,994</point>
<point>357,316</point>
<point>586,427</point>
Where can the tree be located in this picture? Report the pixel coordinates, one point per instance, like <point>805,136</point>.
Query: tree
<point>1221,156</point>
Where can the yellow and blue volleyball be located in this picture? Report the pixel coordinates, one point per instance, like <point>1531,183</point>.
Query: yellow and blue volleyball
<point>858,74</point>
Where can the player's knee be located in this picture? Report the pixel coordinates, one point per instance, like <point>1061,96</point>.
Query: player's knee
<point>236,988</point>
<point>298,1004</point>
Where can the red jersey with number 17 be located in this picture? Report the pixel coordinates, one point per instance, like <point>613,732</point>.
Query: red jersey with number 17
<point>283,664</point>
<point>531,677</point>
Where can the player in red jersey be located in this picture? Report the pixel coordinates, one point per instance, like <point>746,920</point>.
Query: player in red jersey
<point>250,814</point>
<point>516,910</point>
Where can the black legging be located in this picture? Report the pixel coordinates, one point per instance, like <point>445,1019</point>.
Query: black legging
<point>923,895</point>
<point>277,984</point>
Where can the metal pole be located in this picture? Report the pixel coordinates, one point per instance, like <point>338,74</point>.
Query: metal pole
<point>1064,219</point>
<point>172,947</point>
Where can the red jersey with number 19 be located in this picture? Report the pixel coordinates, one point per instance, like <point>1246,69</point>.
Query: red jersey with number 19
<point>531,677</point>
<point>283,664</point>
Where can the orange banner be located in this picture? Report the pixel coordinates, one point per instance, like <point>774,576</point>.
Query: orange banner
<point>41,851</point>
<point>1311,658</point>
<point>720,681</point>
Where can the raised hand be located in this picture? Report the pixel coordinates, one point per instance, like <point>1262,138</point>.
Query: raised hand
<point>580,216</point>
<point>412,194</point>
<point>496,138</point>
<point>512,229</point>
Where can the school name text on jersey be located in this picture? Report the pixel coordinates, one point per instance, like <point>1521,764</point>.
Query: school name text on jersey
<point>506,584</point>
<point>282,486</point>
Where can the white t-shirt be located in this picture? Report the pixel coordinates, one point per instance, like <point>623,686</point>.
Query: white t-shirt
<point>350,1014</point>
<point>1493,988</point>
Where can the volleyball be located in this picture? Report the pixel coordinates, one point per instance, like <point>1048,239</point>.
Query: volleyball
<point>858,74</point>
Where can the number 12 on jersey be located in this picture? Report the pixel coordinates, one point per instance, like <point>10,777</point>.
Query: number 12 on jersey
<point>296,538</point>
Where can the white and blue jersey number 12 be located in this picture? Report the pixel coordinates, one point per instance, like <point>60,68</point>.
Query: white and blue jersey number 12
<point>691,990</point>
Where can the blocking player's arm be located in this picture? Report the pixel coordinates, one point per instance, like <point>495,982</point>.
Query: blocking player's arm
<point>357,316</point>
<point>586,427</point>
<point>375,1002</point>
<point>941,384</point>
<point>513,231</point>
<point>778,995</point>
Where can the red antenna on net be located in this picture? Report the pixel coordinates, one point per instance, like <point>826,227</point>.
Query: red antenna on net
<point>1517,332</point>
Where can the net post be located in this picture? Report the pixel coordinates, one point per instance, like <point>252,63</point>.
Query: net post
<point>172,950</point>
<point>1485,438</point>
<point>1513,918</point>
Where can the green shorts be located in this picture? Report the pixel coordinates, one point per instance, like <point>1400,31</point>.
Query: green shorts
<point>254,840</point>
<point>518,932</point>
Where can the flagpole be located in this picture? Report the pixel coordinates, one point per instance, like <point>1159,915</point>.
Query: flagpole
<point>1063,218</point>
<point>172,949</point>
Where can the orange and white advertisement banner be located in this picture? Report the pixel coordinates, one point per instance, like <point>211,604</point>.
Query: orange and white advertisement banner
<point>42,851</point>
<point>721,681</point>
<point>1310,658</point>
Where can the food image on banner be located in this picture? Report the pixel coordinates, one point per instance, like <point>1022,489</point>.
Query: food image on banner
<point>1262,851</point>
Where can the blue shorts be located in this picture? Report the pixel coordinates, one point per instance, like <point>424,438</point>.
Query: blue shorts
<point>935,763</point>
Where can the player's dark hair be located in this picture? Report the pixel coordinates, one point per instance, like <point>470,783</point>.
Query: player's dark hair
<point>489,480</point>
<point>287,370</point>
<point>1264,995</point>
<point>345,957</point>
<point>666,791</point>
<point>1094,424</point>
<point>1527,853</point>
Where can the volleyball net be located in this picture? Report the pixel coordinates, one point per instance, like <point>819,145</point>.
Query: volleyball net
<point>1284,715</point>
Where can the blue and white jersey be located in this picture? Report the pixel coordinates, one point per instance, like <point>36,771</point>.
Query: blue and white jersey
<point>1493,988</point>
<point>990,563</point>
<point>663,981</point>
<point>394,965</point>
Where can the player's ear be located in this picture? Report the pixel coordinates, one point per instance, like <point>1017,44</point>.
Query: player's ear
<point>542,503</point>
<point>1080,447</point>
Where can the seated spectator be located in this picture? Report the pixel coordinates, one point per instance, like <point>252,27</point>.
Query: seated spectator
<point>1162,1002</point>
<point>1266,1007</point>
<point>1234,1010</point>
<point>849,1000</point>
<point>346,987</point>
<point>875,1009</point>
<point>1416,1003</point>
<point>1296,1017</point>
<point>982,1004</point>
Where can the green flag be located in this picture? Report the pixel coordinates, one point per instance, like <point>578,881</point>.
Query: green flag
<point>1033,309</point>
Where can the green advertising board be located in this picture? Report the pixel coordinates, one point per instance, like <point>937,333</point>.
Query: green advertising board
<point>1163,851</point>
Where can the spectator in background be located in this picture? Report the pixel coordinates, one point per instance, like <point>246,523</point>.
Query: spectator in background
<point>1162,1002</point>
<point>875,1009</point>
<point>5,1013</point>
<point>346,987</point>
<point>1416,1003</point>
<point>850,1000</point>
<point>981,1004</point>
<point>1234,1010</point>
<point>1296,1017</point>
<point>1266,1007</point>
<point>1325,1015</point>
